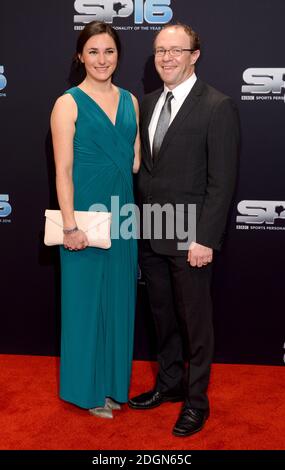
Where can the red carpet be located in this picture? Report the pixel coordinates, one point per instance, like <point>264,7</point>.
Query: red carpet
<point>247,411</point>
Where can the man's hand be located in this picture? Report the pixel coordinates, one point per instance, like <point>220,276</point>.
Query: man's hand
<point>199,255</point>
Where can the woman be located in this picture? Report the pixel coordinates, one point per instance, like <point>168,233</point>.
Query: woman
<point>96,149</point>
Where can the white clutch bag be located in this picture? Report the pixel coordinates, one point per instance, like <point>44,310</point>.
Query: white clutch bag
<point>96,225</point>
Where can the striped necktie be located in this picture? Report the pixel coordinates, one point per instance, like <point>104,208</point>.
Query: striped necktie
<point>162,125</point>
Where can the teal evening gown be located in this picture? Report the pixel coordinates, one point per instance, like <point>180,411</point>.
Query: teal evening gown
<point>99,286</point>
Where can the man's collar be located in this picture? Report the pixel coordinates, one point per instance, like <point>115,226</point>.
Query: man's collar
<point>183,89</point>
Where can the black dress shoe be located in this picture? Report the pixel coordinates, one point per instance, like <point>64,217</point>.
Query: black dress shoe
<point>153,398</point>
<point>191,420</point>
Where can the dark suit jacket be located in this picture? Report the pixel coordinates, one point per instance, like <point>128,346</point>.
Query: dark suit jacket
<point>197,162</point>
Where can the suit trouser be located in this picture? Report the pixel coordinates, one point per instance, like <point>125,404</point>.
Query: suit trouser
<point>180,301</point>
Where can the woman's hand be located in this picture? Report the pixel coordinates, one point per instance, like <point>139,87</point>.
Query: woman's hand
<point>75,241</point>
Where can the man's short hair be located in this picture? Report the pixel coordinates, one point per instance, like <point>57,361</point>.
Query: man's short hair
<point>194,38</point>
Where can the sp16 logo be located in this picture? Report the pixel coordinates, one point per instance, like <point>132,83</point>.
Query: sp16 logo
<point>260,212</point>
<point>151,11</point>
<point>267,80</point>
<point>5,207</point>
<point>3,79</point>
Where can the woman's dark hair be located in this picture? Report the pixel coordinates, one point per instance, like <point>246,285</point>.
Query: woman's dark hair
<point>92,29</point>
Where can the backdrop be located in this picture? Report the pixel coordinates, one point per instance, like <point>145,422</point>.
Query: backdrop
<point>242,55</point>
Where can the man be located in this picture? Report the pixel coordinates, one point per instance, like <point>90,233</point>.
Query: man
<point>190,136</point>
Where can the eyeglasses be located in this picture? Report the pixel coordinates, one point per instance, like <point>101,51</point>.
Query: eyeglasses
<point>173,51</point>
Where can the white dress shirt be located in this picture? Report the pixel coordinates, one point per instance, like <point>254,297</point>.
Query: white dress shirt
<point>179,95</point>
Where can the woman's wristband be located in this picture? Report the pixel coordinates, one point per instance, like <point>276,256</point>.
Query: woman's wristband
<point>68,231</point>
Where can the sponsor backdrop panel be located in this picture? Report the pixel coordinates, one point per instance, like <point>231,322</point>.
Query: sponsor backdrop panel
<point>242,56</point>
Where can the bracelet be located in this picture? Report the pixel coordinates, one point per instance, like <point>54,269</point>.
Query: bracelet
<point>68,231</point>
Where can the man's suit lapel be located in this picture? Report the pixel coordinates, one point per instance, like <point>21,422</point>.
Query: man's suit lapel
<point>187,107</point>
<point>146,121</point>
